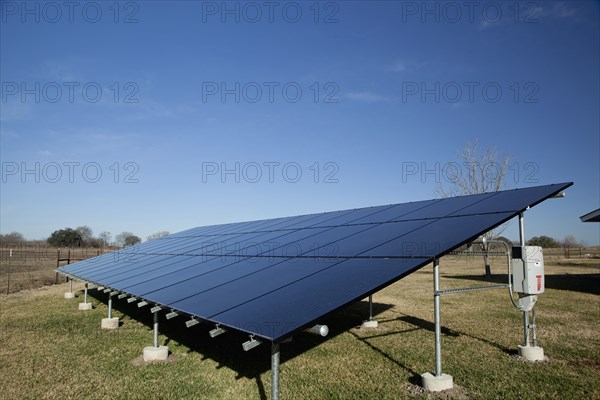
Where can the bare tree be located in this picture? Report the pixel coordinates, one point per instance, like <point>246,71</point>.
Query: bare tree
<point>105,238</point>
<point>120,238</point>
<point>477,172</point>
<point>158,235</point>
<point>85,232</point>
<point>13,238</point>
<point>569,243</point>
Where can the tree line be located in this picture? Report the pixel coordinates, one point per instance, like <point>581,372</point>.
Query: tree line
<point>569,242</point>
<point>82,236</point>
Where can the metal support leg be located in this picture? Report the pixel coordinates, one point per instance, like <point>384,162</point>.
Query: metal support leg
<point>436,306</point>
<point>526,327</point>
<point>521,230</point>
<point>70,285</point>
<point>370,323</point>
<point>156,330</point>
<point>275,371</point>
<point>437,381</point>
<point>525,313</point>
<point>85,293</point>
<point>156,352</point>
<point>110,306</point>
<point>533,334</point>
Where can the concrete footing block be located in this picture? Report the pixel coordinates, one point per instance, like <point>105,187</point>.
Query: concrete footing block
<point>160,353</point>
<point>85,306</point>
<point>110,323</point>
<point>370,324</point>
<point>69,295</point>
<point>437,383</point>
<point>531,353</point>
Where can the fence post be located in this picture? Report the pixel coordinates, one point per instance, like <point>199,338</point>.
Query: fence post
<point>57,265</point>
<point>8,277</point>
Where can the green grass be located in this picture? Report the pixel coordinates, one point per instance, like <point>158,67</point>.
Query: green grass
<point>50,350</point>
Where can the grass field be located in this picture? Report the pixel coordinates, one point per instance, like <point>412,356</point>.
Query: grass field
<point>50,350</point>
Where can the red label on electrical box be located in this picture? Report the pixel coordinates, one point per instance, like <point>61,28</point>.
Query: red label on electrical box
<point>539,282</point>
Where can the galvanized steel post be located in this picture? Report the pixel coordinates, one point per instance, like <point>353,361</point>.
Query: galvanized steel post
<point>526,327</point>
<point>156,330</point>
<point>521,230</point>
<point>109,305</point>
<point>525,312</point>
<point>85,293</point>
<point>436,306</point>
<point>275,371</point>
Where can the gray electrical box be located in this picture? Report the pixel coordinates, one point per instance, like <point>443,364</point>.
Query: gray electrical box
<point>528,270</point>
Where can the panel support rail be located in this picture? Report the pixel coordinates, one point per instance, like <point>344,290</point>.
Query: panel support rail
<point>472,288</point>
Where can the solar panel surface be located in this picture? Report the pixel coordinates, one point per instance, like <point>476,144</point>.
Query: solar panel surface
<point>271,278</point>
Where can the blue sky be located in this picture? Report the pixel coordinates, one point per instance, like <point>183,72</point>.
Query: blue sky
<point>147,116</point>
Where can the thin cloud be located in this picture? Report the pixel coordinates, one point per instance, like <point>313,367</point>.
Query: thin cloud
<point>367,97</point>
<point>398,66</point>
<point>560,10</point>
<point>483,24</point>
<point>149,110</point>
<point>66,69</point>
<point>401,66</point>
<point>535,13</point>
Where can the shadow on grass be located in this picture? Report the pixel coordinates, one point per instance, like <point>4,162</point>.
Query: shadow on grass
<point>226,349</point>
<point>430,326</point>
<point>416,377</point>
<point>422,324</point>
<point>583,283</point>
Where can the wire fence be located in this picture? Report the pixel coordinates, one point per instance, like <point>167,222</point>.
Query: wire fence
<point>27,267</point>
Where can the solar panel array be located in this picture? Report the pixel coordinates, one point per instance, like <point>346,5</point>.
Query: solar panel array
<point>272,278</point>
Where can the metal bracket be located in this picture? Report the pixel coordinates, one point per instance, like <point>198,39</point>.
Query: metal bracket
<point>216,332</point>
<point>250,344</point>
<point>191,322</point>
<point>172,314</point>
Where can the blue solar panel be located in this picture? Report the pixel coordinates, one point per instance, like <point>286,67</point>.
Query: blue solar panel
<point>273,277</point>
